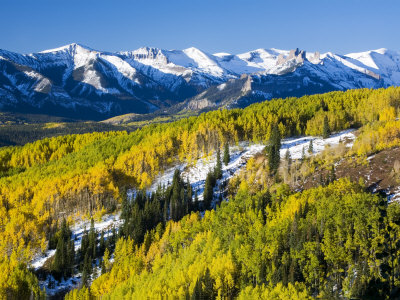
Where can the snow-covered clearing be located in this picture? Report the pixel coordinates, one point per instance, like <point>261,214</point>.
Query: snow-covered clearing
<point>106,224</point>
<point>53,286</point>
<point>296,145</point>
<point>196,173</point>
<point>395,196</point>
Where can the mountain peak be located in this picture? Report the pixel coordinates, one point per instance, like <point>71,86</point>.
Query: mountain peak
<point>73,47</point>
<point>146,79</point>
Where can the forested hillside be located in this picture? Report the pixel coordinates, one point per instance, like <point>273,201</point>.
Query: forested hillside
<point>266,240</point>
<point>329,241</point>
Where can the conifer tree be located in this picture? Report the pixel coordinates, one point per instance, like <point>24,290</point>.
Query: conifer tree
<point>218,166</point>
<point>196,201</point>
<point>84,243</point>
<point>70,257</point>
<point>273,149</point>
<point>102,246</point>
<point>58,263</point>
<point>227,156</point>
<point>208,190</point>
<point>92,240</point>
<point>310,147</point>
<point>326,130</point>
<point>288,159</point>
<point>333,174</point>
<point>303,154</point>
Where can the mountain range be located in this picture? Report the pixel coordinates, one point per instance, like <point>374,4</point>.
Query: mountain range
<point>78,82</point>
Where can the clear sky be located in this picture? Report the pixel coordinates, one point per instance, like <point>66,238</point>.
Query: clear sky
<point>214,26</point>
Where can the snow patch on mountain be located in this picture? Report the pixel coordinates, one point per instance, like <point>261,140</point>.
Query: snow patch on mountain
<point>197,172</point>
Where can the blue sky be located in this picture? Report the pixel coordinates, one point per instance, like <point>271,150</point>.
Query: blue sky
<point>214,26</point>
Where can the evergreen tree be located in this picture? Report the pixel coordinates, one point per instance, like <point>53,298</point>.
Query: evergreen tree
<point>196,201</point>
<point>310,147</point>
<point>125,208</point>
<point>273,149</point>
<point>59,263</point>
<point>84,243</point>
<point>288,159</point>
<point>92,240</point>
<point>208,190</point>
<point>208,283</point>
<point>189,195</point>
<point>333,174</point>
<point>175,201</point>
<point>102,246</point>
<point>197,291</point>
<point>65,252</point>
<point>165,211</point>
<point>303,154</point>
<point>218,166</point>
<point>113,236</point>
<point>70,257</point>
<point>321,179</point>
<point>227,156</point>
<point>326,130</point>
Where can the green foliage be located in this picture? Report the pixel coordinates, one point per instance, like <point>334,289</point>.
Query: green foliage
<point>81,174</point>
<point>208,190</point>
<point>326,131</point>
<point>310,147</point>
<point>227,156</point>
<point>64,257</point>
<point>218,166</point>
<point>273,149</point>
<point>322,242</point>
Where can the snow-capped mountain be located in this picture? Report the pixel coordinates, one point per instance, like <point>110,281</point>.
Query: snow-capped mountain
<point>80,82</point>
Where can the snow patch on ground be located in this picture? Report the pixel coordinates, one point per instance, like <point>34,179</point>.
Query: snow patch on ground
<point>107,223</point>
<point>54,287</point>
<point>296,145</point>
<point>395,196</point>
<point>196,173</point>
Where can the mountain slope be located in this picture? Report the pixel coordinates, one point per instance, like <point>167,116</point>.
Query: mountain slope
<point>79,82</point>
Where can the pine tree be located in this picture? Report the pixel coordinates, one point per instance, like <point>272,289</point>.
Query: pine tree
<point>65,252</point>
<point>227,156</point>
<point>333,174</point>
<point>303,154</point>
<point>85,277</point>
<point>189,195</point>
<point>102,246</point>
<point>175,202</point>
<point>326,130</point>
<point>165,211</point>
<point>310,147</point>
<point>218,166</point>
<point>125,209</point>
<point>196,201</point>
<point>70,257</point>
<point>273,149</point>
<point>197,291</point>
<point>288,159</point>
<point>84,243</point>
<point>208,283</point>
<point>208,190</point>
<point>59,263</point>
<point>92,240</point>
